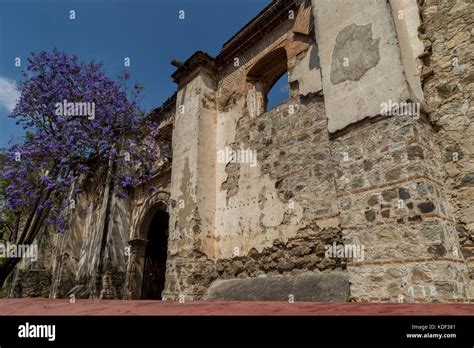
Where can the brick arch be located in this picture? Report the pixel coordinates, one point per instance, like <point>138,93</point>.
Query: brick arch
<point>292,36</point>
<point>268,69</point>
<point>236,80</point>
<point>151,206</point>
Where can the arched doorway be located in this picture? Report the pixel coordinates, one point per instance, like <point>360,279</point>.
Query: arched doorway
<point>154,272</point>
<point>147,264</point>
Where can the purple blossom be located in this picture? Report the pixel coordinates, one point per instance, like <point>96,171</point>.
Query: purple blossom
<point>67,146</point>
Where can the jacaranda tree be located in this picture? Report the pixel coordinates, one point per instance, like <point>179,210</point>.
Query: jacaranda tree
<point>77,121</point>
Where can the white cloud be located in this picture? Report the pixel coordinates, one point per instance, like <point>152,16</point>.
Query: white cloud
<point>8,93</point>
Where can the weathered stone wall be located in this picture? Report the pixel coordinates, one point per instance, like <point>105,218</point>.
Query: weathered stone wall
<point>143,203</point>
<point>281,201</point>
<point>68,264</point>
<point>68,260</point>
<point>32,278</point>
<point>392,201</point>
<point>328,168</point>
<point>78,251</point>
<point>360,59</point>
<point>271,218</point>
<point>448,84</point>
<point>192,186</point>
<point>407,20</point>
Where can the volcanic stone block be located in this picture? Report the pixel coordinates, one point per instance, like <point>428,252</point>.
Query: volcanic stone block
<point>333,287</point>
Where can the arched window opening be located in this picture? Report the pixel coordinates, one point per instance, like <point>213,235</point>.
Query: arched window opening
<point>264,75</point>
<point>278,93</point>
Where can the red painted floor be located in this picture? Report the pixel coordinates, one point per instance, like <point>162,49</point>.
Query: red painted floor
<point>37,306</point>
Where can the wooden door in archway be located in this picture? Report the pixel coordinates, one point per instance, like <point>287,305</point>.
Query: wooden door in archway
<point>154,274</point>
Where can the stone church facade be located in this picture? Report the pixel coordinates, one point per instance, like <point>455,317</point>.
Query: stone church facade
<point>328,167</point>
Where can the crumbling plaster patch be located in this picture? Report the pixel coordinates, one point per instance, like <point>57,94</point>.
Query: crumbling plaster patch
<point>355,53</point>
<point>350,101</point>
<point>249,215</point>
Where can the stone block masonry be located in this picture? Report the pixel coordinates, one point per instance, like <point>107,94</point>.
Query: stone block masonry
<point>393,202</point>
<point>448,84</point>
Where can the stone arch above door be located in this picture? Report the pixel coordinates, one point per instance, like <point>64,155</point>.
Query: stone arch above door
<point>138,243</point>
<point>147,212</point>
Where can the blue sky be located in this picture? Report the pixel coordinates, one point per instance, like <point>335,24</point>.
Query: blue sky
<point>148,31</point>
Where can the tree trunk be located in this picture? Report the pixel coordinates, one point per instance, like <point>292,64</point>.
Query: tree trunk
<point>109,192</point>
<point>7,268</point>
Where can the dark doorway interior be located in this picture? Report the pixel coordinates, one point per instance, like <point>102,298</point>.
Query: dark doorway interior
<point>155,256</point>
